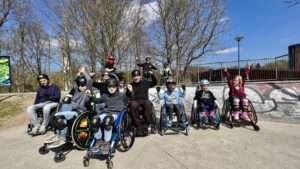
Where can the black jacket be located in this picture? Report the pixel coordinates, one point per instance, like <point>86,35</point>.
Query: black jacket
<point>141,89</point>
<point>206,98</point>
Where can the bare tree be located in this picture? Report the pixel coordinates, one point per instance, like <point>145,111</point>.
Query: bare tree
<point>292,2</point>
<point>5,8</point>
<point>188,30</point>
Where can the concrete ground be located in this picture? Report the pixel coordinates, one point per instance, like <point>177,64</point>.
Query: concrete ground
<point>275,146</point>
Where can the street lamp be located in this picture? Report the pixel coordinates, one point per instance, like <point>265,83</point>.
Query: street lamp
<point>238,39</point>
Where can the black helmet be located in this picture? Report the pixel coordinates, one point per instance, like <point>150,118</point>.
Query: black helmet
<point>147,58</point>
<point>165,64</point>
<point>135,73</point>
<point>42,76</point>
<point>81,81</point>
<point>112,82</point>
<point>170,80</point>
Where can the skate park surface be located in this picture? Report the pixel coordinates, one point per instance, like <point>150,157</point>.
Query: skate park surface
<point>276,145</point>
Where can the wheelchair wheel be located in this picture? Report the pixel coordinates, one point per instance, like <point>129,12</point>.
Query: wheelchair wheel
<point>59,157</point>
<point>81,133</point>
<point>252,113</point>
<point>162,121</point>
<point>193,115</point>
<point>153,120</point>
<point>126,134</point>
<point>225,111</point>
<point>217,119</point>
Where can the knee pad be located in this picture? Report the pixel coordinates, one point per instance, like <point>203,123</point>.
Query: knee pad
<point>95,122</point>
<point>245,102</point>
<point>59,122</point>
<point>108,122</point>
<point>236,104</point>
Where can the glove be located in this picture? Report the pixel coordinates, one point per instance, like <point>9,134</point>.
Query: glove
<point>183,87</point>
<point>157,89</point>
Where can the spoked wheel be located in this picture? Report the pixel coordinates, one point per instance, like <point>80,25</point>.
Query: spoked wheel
<point>153,121</point>
<point>127,136</point>
<point>59,157</point>
<point>81,132</point>
<point>162,121</point>
<point>43,150</point>
<point>193,115</point>
<point>252,113</point>
<point>86,162</point>
<point>217,120</point>
<point>186,125</point>
<point>110,164</point>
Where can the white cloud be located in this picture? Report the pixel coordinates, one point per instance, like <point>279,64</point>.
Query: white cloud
<point>226,51</point>
<point>224,19</point>
<point>151,10</point>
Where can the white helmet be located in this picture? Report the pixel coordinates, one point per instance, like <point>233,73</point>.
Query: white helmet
<point>204,82</point>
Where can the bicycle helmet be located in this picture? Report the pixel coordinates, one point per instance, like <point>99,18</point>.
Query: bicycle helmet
<point>110,59</point>
<point>135,73</point>
<point>112,82</point>
<point>42,76</point>
<point>81,81</point>
<point>204,82</point>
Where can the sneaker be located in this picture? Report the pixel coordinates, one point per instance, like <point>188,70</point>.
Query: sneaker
<point>42,129</point>
<point>52,139</point>
<point>105,147</point>
<point>97,146</point>
<point>245,116</point>
<point>34,131</point>
<point>61,141</point>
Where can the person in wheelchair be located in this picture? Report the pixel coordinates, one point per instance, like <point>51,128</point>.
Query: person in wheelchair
<point>82,85</point>
<point>47,98</point>
<point>114,103</point>
<point>204,101</point>
<point>141,99</point>
<point>148,68</point>
<point>237,93</point>
<point>171,98</point>
<point>101,86</point>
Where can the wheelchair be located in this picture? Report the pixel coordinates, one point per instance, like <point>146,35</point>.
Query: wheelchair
<point>122,139</point>
<point>79,132</point>
<point>196,117</point>
<point>176,127</point>
<point>39,113</point>
<point>228,118</point>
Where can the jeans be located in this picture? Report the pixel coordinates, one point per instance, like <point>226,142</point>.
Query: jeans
<point>46,106</point>
<point>68,115</point>
<point>107,133</point>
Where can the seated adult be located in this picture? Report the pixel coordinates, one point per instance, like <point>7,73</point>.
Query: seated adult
<point>47,98</point>
<point>141,99</point>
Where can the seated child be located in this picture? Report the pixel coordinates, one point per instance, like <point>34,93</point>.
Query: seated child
<point>237,93</point>
<point>82,84</point>
<point>171,97</point>
<point>204,100</point>
<point>114,103</point>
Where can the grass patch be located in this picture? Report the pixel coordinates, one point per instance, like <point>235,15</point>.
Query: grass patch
<point>10,108</point>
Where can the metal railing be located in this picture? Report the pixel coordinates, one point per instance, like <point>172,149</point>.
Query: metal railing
<point>285,67</point>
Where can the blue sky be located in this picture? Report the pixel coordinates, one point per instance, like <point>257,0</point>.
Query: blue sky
<point>268,27</point>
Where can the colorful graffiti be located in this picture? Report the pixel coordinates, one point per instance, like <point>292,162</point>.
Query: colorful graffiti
<point>281,99</point>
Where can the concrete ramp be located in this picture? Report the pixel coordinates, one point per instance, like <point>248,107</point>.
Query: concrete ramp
<point>273,101</point>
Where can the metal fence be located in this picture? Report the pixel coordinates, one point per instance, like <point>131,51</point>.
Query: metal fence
<point>285,67</point>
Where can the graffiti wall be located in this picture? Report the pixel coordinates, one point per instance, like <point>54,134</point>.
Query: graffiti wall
<point>276,100</point>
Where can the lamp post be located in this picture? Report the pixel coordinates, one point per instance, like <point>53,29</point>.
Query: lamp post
<point>238,39</point>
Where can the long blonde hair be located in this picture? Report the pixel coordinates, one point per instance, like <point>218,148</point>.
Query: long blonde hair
<point>239,78</point>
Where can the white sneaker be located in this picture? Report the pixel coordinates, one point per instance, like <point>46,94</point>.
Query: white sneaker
<point>34,131</point>
<point>42,129</point>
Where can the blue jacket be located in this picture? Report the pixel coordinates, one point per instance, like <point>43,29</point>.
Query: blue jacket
<point>171,97</point>
<point>48,93</point>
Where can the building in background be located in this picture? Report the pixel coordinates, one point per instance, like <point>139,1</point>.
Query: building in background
<point>294,57</point>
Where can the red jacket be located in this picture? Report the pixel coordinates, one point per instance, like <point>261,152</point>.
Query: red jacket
<point>232,90</point>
